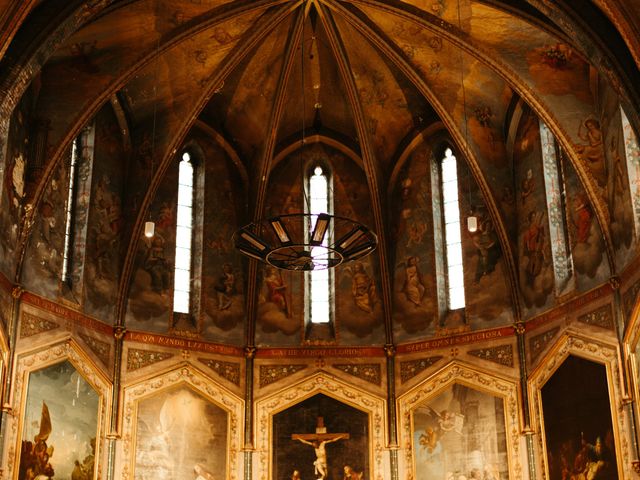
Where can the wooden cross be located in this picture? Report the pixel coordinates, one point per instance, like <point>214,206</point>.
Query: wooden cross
<point>320,435</point>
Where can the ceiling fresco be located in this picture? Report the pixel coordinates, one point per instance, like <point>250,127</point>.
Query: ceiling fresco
<point>375,90</point>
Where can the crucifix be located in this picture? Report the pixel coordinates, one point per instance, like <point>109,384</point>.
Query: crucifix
<point>318,441</point>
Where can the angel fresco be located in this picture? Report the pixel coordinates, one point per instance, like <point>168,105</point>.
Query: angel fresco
<point>225,287</point>
<point>486,242</point>
<point>156,264</point>
<point>363,290</point>
<point>277,290</point>
<point>592,152</point>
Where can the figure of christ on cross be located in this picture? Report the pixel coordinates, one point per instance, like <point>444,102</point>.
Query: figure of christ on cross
<point>318,441</point>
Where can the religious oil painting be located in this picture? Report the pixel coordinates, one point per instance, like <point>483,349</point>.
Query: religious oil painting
<point>321,438</point>
<point>577,422</point>
<point>180,435</point>
<point>460,434</point>
<point>60,425</point>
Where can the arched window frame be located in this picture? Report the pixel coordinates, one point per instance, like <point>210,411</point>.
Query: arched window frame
<point>187,273</point>
<point>555,194</point>
<point>632,156</point>
<point>447,215</point>
<point>315,279</point>
<point>76,213</point>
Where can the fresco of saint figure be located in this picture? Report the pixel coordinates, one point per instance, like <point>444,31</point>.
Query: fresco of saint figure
<point>363,290</point>
<point>592,152</point>
<point>413,288</point>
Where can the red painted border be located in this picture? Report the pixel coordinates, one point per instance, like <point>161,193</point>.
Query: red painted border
<point>183,343</point>
<point>66,313</point>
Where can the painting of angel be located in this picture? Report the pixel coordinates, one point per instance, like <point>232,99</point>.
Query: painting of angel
<point>460,434</point>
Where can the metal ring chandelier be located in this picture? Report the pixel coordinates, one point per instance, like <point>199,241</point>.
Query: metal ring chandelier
<point>304,241</point>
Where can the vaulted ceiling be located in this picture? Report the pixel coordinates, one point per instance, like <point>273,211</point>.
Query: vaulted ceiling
<point>379,85</point>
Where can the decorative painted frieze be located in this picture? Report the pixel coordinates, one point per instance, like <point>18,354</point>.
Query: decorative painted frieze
<point>143,358</point>
<point>369,372</point>
<point>272,373</point>
<point>600,317</point>
<point>100,348</point>
<point>227,370</point>
<point>411,368</point>
<point>538,343</point>
<point>32,325</point>
<point>501,354</point>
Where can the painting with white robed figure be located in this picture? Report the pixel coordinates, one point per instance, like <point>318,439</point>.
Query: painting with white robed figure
<point>460,434</point>
<point>180,435</point>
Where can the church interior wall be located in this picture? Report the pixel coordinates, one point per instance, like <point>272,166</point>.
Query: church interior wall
<point>100,378</point>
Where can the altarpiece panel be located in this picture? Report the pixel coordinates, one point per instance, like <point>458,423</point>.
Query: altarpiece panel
<point>341,431</point>
<point>61,402</point>
<point>460,423</point>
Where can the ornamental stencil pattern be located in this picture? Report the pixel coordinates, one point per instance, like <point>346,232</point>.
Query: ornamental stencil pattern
<point>600,317</point>
<point>538,343</point>
<point>32,325</point>
<point>369,372</point>
<point>227,370</point>
<point>100,348</point>
<point>142,358</point>
<point>411,368</point>
<point>272,373</point>
<point>629,299</point>
<point>502,354</point>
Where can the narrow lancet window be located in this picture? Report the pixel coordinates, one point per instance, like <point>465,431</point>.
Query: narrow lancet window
<point>452,232</point>
<point>184,236</point>
<point>632,154</point>
<point>556,198</point>
<point>71,196</point>
<point>319,280</point>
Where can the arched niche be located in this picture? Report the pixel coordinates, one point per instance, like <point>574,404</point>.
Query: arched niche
<point>431,394</point>
<point>77,397</point>
<point>321,383</point>
<point>602,355</point>
<point>179,405</point>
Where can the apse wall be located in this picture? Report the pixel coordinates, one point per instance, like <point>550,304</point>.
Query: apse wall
<point>463,401</point>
